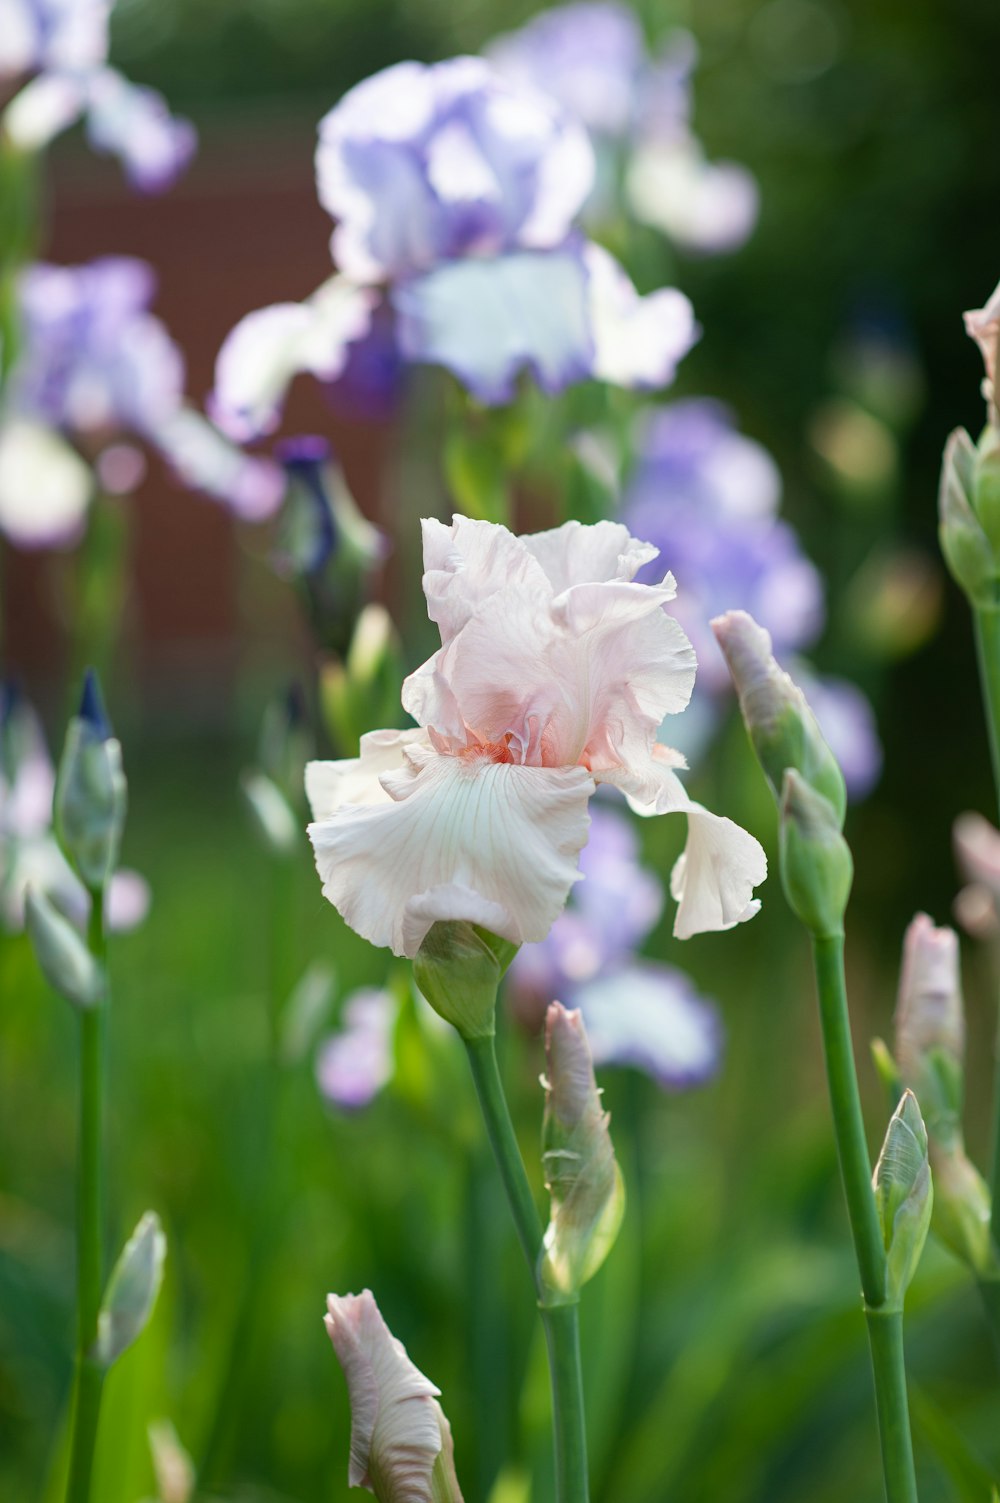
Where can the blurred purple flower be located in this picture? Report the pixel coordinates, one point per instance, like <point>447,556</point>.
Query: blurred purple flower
<point>704,207</point>
<point>357,1061</point>
<point>457,191</point>
<point>29,852</point>
<point>587,56</point>
<point>707,497</point>
<point>93,359</point>
<point>370,386</point>
<point>94,365</point>
<point>421,165</point>
<point>52,35</point>
<point>64,45</point>
<point>134,124</point>
<point>652,1017</point>
<point>636,1013</point>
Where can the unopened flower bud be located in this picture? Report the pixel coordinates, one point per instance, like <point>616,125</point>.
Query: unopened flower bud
<point>365,686</point>
<point>983,325</point>
<point>64,959</point>
<point>132,1289</point>
<point>903,1196</point>
<point>401,1445</point>
<point>172,1466</point>
<point>458,968</point>
<point>91,792</point>
<point>816,865</point>
<point>272,815</point>
<point>581,1172</point>
<point>976,911</point>
<point>930,1025</point>
<point>977,850</point>
<point>969,513</point>
<point>325,542</point>
<point>782,727</point>
<point>962,1209</point>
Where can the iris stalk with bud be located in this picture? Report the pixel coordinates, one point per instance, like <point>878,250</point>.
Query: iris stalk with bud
<point>816,873</point>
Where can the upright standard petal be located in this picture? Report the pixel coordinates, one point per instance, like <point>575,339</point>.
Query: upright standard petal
<point>401,1446</point>
<point>460,838</point>
<point>260,357</point>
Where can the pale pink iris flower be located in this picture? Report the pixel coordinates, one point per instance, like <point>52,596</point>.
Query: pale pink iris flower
<point>555,672</point>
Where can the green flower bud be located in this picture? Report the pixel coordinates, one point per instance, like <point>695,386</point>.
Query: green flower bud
<point>903,1196</point>
<point>91,792</point>
<point>132,1290</point>
<point>172,1466</point>
<point>966,544</point>
<point>65,961</point>
<point>815,860</point>
<point>783,729</point>
<point>962,1209</point>
<point>458,968</point>
<point>986,487</point>
<point>581,1173</point>
<point>930,1026</point>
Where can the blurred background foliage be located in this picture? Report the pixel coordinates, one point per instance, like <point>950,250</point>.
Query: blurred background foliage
<point>723,1343</point>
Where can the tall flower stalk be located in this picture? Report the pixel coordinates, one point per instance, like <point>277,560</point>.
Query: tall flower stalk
<point>969,512</point>
<point>889,1213</point>
<point>89,809</point>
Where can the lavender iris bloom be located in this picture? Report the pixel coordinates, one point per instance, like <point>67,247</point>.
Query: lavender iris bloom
<point>707,497</point>
<point>355,1062</point>
<point>590,57</point>
<point>64,44</point>
<point>457,191</point>
<point>637,1012</point>
<point>94,364</point>
<point>52,35</point>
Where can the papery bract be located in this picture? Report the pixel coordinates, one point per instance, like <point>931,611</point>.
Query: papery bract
<point>555,672</point>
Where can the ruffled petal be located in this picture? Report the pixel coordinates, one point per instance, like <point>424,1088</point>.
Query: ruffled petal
<point>461,838</point>
<point>574,554</point>
<point>638,341</point>
<point>489,320</point>
<point>470,562</point>
<point>45,487</point>
<point>355,780</point>
<point>713,880</point>
<point>651,1017</point>
<point>260,357</point>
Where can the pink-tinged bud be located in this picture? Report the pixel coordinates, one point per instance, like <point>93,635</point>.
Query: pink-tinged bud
<point>401,1446</point>
<point>976,911</point>
<point>977,851</point>
<point>983,325</point>
<point>930,1025</point>
<point>783,729</point>
<point>582,1176</point>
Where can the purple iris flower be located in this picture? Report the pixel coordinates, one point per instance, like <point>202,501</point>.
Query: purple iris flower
<point>64,45</point>
<point>636,1012</point>
<point>356,1061</point>
<point>457,194</point>
<point>588,56</point>
<point>94,365</point>
<point>707,497</point>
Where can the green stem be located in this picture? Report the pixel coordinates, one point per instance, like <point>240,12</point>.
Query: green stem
<point>89,1376</point>
<point>987,624</point>
<point>560,1321</point>
<point>885,1333</point>
<point>885,1326</point>
<point>848,1122</point>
